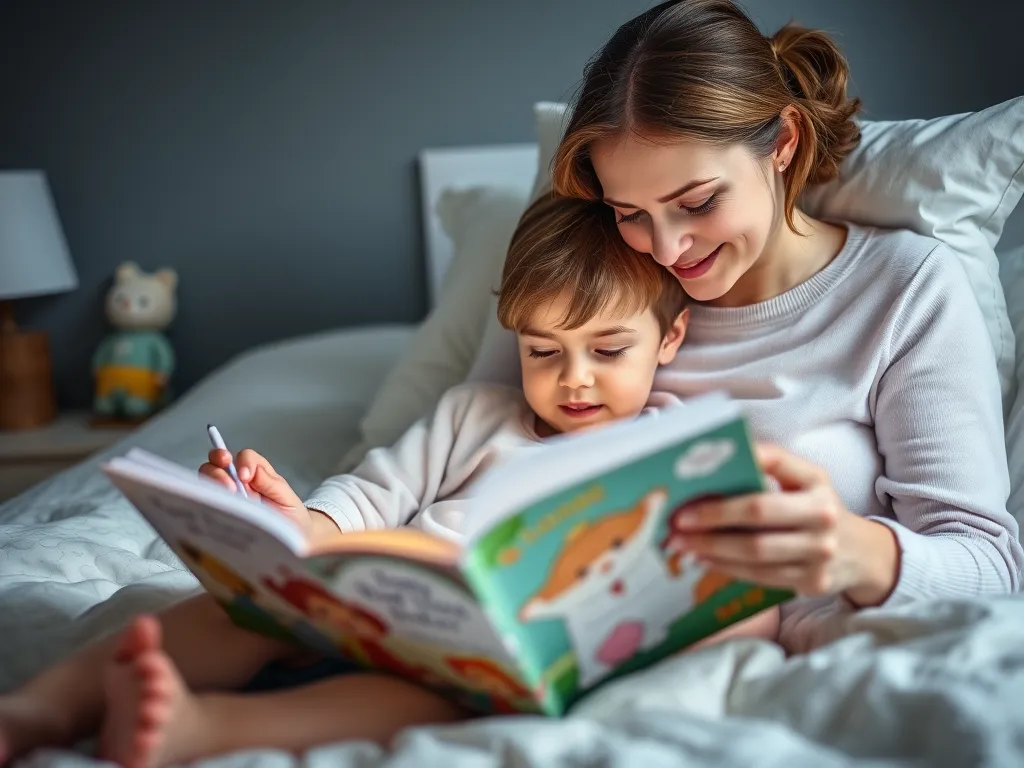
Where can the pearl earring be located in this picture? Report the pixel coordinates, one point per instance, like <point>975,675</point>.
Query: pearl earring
<point>782,165</point>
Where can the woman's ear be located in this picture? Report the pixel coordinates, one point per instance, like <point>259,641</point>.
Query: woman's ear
<point>789,138</point>
<point>673,338</point>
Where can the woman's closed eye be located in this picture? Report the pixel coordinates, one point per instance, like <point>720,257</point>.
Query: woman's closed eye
<point>696,210</point>
<point>704,207</point>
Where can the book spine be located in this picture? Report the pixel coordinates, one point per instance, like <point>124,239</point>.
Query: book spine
<point>495,605</point>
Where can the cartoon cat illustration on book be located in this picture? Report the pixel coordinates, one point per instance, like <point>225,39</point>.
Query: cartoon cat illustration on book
<point>642,589</point>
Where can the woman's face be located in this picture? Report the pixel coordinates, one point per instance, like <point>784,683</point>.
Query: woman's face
<point>705,213</point>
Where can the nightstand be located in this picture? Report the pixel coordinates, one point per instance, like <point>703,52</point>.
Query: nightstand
<point>31,455</point>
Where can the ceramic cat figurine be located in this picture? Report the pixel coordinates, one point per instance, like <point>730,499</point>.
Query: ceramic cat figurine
<point>133,364</point>
<point>615,589</point>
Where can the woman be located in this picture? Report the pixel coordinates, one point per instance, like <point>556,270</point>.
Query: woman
<point>860,355</point>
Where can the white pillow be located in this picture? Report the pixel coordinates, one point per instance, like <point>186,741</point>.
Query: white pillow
<point>549,120</point>
<point>1012,276</point>
<point>498,359</point>
<point>479,221</point>
<point>955,178</point>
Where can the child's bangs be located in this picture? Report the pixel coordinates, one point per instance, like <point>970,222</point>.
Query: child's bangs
<point>613,289</point>
<point>572,248</point>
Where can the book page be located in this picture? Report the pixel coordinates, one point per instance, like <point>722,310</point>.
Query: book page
<point>167,489</point>
<point>406,542</point>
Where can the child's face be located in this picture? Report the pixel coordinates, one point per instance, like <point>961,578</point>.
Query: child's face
<point>599,372</point>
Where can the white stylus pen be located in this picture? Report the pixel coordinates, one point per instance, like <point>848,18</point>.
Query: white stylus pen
<point>218,442</point>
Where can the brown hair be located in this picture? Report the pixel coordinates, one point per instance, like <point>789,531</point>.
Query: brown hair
<point>701,70</point>
<point>570,246</point>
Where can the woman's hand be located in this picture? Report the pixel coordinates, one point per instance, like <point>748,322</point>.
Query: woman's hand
<point>803,538</point>
<point>264,484</point>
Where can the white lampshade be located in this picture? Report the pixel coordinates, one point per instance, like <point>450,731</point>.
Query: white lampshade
<point>34,257</point>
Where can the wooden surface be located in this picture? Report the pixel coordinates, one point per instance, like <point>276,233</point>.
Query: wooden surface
<point>30,456</point>
<point>26,375</point>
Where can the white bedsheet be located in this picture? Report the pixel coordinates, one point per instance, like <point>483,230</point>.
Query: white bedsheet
<point>938,684</point>
<point>934,684</point>
<point>74,541</point>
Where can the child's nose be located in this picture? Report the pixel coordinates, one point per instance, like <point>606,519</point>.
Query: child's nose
<point>576,374</point>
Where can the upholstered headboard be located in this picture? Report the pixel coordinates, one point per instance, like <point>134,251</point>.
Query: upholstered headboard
<point>507,165</point>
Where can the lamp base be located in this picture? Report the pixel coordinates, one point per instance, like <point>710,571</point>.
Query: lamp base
<point>26,380</point>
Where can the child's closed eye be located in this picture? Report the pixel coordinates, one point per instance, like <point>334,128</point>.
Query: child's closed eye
<point>542,352</point>
<point>612,352</point>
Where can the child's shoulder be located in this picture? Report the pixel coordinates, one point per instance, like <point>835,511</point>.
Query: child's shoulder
<point>662,400</point>
<point>477,396</point>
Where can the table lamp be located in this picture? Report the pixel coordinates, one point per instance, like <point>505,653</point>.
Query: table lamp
<point>34,261</point>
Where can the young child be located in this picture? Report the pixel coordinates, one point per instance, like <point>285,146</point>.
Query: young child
<point>594,321</point>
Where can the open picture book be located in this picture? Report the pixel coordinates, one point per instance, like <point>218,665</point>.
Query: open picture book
<point>566,577</point>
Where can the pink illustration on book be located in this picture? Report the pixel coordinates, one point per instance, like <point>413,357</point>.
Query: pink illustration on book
<point>616,588</point>
<point>359,631</point>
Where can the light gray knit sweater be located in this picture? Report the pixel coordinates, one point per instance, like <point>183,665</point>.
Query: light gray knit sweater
<point>878,369</point>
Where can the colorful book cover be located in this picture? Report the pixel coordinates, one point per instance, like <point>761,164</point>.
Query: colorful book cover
<point>565,582</point>
<point>584,582</point>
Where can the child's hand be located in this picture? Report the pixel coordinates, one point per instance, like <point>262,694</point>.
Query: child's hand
<point>264,484</point>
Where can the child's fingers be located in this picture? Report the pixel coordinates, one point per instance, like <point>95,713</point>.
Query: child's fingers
<point>218,474</point>
<point>273,487</point>
<point>248,461</point>
<point>218,457</point>
<point>255,472</point>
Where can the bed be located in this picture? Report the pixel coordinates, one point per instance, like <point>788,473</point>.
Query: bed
<point>935,684</point>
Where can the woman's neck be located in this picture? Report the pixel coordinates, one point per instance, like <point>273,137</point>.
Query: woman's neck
<point>787,260</point>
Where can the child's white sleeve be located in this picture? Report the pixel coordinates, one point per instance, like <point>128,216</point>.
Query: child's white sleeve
<point>392,485</point>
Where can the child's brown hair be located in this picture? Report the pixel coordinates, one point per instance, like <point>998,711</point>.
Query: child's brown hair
<point>569,246</point>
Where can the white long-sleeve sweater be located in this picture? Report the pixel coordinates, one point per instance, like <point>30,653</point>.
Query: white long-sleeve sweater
<point>433,467</point>
<point>425,478</point>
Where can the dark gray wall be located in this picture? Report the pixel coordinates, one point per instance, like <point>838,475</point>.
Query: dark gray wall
<point>266,149</point>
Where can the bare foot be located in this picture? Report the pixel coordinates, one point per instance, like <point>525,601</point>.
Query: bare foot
<point>149,709</point>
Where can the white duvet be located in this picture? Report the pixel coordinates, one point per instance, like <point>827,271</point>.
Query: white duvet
<point>939,683</point>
